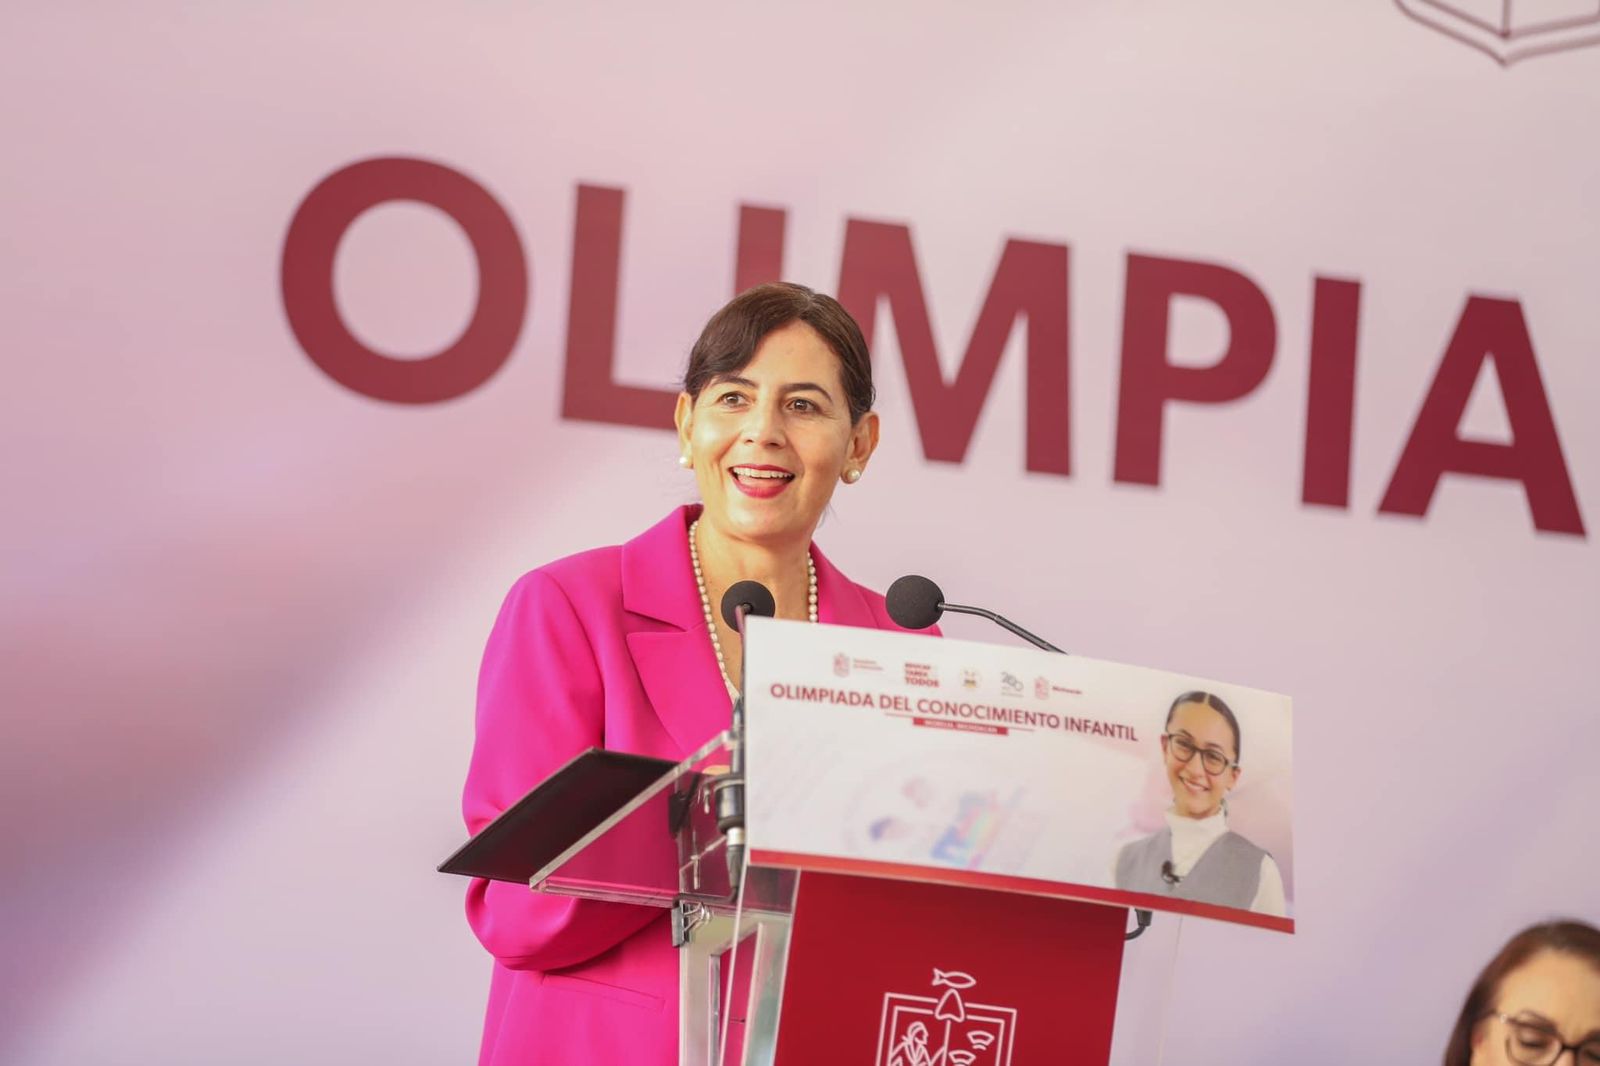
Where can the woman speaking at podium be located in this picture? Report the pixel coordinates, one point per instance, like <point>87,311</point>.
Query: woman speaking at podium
<point>1197,857</point>
<point>623,647</point>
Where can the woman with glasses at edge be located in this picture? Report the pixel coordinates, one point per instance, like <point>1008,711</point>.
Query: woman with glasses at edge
<point>1197,857</point>
<point>1537,1003</point>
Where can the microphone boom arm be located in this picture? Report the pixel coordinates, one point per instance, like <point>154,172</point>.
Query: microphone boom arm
<point>1005,623</point>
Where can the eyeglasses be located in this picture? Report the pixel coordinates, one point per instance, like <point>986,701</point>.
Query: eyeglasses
<point>1184,749</point>
<point>1536,1045</point>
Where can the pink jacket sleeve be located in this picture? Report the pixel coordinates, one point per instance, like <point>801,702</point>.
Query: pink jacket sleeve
<point>540,701</point>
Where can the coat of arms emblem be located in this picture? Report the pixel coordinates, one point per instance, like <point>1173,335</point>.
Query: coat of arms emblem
<point>944,1028</point>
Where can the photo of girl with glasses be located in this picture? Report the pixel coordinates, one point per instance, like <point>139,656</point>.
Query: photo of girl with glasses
<point>1197,857</point>
<point>1537,1003</point>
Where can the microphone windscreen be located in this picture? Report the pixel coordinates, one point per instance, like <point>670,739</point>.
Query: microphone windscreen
<point>914,602</point>
<point>752,596</point>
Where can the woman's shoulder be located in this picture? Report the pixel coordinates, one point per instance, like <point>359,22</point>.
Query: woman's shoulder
<point>578,578</point>
<point>588,565</point>
<point>595,576</point>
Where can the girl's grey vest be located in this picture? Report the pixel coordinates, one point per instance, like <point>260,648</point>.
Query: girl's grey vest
<point>1228,873</point>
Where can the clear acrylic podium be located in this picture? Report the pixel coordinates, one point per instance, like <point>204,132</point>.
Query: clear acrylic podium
<point>777,973</point>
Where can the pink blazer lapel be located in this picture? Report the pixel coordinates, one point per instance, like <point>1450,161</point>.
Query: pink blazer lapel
<point>839,600</point>
<point>675,662</point>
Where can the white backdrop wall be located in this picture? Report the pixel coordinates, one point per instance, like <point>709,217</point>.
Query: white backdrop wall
<point>243,602</point>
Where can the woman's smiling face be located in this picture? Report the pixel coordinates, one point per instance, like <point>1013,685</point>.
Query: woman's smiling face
<point>1197,793</point>
<point>770,441</point>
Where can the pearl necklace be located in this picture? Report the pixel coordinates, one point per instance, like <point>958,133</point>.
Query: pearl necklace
<point>705,601</point>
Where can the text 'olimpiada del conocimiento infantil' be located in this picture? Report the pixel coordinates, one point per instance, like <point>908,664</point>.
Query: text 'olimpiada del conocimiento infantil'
<point>957,713</point>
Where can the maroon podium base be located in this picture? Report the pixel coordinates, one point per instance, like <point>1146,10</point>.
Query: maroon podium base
<point>897,973</point>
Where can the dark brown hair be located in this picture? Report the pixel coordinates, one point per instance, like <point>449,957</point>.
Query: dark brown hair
<point>1215,703</point>
<point>1567,936</point>
<point>731,338</point>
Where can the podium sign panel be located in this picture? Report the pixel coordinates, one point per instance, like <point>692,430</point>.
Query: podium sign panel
<point>901,755</point>
<point>943,838</point>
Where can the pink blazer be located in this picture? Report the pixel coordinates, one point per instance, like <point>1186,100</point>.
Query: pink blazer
<point>607,648</point>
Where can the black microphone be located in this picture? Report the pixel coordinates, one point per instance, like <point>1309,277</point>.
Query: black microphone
<point>743,599</point>
<point>1168,874</point>
<point>914,602</point>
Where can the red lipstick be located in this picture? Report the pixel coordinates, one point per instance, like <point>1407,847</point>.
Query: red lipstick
<point>760,480</point>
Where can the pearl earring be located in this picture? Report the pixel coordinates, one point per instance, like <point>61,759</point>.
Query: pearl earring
<point>683,460</point>
<point>852,476</point>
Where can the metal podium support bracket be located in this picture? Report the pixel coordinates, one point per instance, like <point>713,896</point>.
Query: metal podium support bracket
<point>687,916</point>
<point>709,939</point>
<point>699,982</point>
<point>766,983</point>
